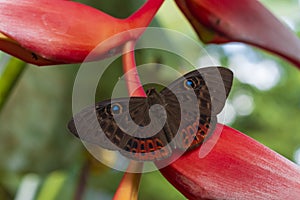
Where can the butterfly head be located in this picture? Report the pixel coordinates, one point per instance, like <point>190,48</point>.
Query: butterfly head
<point>152,92</point>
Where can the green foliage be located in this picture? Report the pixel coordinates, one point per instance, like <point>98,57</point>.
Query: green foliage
<point>274,121</point>
<point>9,75</point>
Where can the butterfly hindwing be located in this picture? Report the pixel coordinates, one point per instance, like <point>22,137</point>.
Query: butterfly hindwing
<point>147,149</point>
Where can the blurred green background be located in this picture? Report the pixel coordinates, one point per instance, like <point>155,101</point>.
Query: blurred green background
<point>41,160</point>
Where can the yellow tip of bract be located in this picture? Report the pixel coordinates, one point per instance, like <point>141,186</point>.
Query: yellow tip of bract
<point>12,47</point>
<point>129,185</point>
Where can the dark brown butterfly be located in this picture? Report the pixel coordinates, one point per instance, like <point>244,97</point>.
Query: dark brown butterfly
<point>148,128</point>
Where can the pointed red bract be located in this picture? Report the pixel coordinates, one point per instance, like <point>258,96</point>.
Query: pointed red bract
<point>237,167</point>
<point>247,21</point>
<point>65,31</point>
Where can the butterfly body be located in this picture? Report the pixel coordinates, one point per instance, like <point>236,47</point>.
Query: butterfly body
<point>149,128</point>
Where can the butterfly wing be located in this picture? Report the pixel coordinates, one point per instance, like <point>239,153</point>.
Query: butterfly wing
<point>210,87</point>
<point>117,124</point>
<point>85,125</point>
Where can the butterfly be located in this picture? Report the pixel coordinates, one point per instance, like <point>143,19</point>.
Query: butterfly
<point>179,117</point>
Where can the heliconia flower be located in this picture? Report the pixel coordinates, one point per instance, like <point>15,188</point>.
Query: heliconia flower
<point>237,167</point>
<point>247,21</point>
<point>46,32</point>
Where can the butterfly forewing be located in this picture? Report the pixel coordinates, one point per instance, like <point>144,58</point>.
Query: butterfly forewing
<point>219,82</point>
<point>85,125</point>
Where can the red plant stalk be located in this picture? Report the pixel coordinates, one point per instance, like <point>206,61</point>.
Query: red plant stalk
<point>129,185</point>
<point>132,78</point>
<point>247,21</point>
<point>237,167</point>
<point>53,33</point>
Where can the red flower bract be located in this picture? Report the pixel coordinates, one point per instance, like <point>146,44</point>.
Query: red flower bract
<point>248,21</point>
<point>64,31</point>
<point>237,167</point>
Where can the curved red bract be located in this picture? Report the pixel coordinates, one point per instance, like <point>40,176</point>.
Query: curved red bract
<point>237,167</point>
<point>65,31</point>
<point>247,21</point>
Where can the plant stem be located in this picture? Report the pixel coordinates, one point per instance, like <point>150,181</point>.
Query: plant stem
<point>84,173</point>
<point>9,76</point>
<point>132,78</point>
